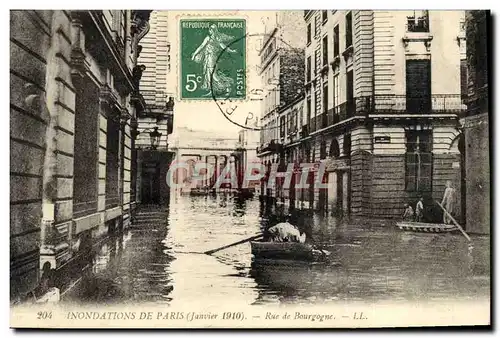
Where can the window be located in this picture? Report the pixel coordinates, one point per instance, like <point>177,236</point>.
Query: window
<point>112,166</point>
<point>86,155</point>
<point>322,150</point>
<point>418,86</point>
<point>309,34</point>
<point>419,161</point>
<point>325,50</point>
<point>336,44</point>
<point>308,107</point>
<point>295,117</point>
<point>324,119</point>
<point>350,93</point>
<point>346,147</point>
<point>336,90</point>
<point>348,30</point>
<point>324,16</point>
<point>308,69</point>
<point>282,126</point>
<point>418,22</point>
<point>325,98</point>
<point>334,149</point>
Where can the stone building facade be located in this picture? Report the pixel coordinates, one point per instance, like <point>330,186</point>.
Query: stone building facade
<point>73,96</point>
<point>282,57</point>
<point>149,180</point>
<point>382,104</point>
<point>476,123</point>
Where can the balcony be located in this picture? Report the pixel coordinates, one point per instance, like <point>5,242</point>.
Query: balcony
<point>273,146</point>
<point>379,105</point>
<point>159,105</point>
<point>137,100</point>
<point>401,104</point>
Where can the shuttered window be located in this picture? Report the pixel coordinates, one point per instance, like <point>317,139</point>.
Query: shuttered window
<point>336,48</point>
<point>418,86</point>
<point>350,93</point>
<point>325,50</point>
<point>348,30</point>
<point>309,69</point>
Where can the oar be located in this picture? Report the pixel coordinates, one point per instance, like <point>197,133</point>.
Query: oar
<point>209,252</point>
<point>454,221</point>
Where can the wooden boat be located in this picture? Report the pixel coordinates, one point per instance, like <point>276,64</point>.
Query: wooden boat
<point>425,227</point>
<point>287,251</point>
<point>198,192</point>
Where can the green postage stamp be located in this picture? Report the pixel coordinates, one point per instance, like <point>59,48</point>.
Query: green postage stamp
<point>213,58</point>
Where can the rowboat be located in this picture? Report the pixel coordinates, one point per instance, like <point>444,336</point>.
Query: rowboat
<point>425,227</point>
<point>287,251</point>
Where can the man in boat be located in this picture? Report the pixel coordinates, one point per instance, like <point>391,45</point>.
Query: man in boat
<point>448,202</point>
<point>286,232</point>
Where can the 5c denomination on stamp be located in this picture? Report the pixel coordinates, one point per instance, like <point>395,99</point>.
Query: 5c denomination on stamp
<point>208,67</point>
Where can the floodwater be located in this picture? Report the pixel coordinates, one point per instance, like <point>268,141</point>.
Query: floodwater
<point>159,260</point>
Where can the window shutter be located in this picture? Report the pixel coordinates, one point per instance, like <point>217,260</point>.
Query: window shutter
<point>418,86</point>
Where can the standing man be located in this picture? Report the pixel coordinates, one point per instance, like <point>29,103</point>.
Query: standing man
<point>419,210</point>
<point>448,202</point>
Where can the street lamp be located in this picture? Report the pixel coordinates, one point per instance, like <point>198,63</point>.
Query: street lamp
<point>155,138</point>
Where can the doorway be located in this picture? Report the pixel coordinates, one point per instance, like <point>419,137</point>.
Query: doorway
<point>150,183</point>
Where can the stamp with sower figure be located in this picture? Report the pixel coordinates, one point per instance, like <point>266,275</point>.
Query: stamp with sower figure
<point>213,58</point>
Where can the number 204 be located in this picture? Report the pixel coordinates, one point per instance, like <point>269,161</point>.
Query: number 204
<point>44,315</point>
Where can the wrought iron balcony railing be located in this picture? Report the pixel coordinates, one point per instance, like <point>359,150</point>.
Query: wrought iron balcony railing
<point>388,104</point>
<point>273,146</point>
<point>432,104</point>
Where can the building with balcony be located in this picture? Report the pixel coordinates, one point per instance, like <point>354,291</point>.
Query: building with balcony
<point>156,121</point>
<point>476,124</point>
<point>73,98</point>
<point>282,73</point>
<point>383,98</point>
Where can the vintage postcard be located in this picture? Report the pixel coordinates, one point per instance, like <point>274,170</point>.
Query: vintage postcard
<point>249,169</point>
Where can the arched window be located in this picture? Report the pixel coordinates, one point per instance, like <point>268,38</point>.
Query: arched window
<point>322,150</point>
<point>334,149</point>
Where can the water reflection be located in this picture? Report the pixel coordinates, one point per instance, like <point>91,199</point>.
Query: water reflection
<point>160,260</point>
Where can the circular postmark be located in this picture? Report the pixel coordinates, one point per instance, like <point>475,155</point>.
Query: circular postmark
<point>268,83</point>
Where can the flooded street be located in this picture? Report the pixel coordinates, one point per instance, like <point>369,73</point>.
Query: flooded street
<point>159,260</point>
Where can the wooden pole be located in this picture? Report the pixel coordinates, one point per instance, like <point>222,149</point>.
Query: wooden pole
<point>209,252</point>
<point>454,221</point>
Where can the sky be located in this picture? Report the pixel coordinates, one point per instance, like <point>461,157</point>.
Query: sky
<point>206,115</point>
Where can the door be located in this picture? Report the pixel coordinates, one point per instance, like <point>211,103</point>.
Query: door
<point>332,191</point>
<point>418,86</point>
<point>150,187</point>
